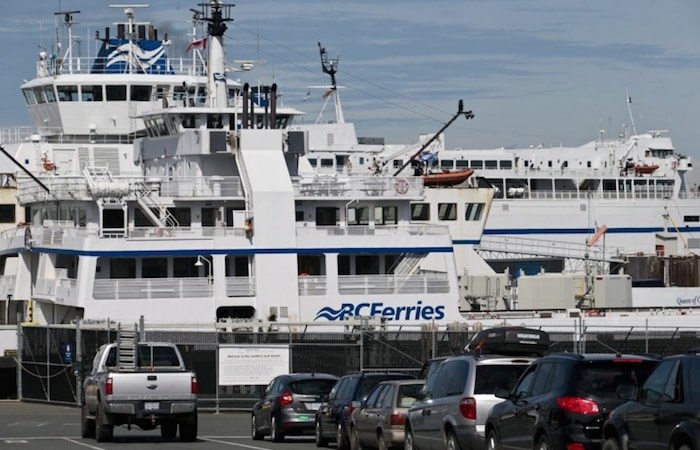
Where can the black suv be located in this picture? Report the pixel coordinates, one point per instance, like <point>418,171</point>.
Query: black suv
<point>561,401</point>
<point>333,418</point>
<point>664,413</point>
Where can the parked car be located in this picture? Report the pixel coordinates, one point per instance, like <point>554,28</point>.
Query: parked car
<point>562,400</point>
<point>459,390</point>
<point>333,417</point>
<point>289,405</point>
<point>380,419</point>
<point>663,414</point>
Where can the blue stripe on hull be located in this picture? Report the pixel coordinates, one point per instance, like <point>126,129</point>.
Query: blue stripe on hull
<point>238,251</point>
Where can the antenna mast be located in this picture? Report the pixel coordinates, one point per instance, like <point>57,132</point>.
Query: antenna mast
<point>330,67</point>
<point>629,110</point>
<point>68,21</point>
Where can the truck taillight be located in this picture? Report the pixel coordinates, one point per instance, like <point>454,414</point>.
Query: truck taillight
<point>109,387</point>
<point>194,386</point>
<point>467,407</point>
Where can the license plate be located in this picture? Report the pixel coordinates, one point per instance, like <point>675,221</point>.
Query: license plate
<point>151,406</point>
<point>313,406</point>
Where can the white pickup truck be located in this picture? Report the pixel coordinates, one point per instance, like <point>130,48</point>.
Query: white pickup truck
<point>157,390</point>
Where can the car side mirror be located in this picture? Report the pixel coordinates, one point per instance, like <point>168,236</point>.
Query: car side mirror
<point>627,392</point>
<point>502,392</point>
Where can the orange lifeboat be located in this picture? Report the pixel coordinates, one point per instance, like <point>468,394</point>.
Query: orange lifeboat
<point>447,178</point>
<point>641,169</point>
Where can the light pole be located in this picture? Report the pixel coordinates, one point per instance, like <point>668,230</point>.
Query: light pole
<point>200,262</point>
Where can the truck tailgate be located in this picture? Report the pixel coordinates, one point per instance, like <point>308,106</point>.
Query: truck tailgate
<point>152,386</point>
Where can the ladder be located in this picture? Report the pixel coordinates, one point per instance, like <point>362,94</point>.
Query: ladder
<point>127,347</point>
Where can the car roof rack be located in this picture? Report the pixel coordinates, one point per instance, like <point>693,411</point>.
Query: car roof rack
<point>510,341</point>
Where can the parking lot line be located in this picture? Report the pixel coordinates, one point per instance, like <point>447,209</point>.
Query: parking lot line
<point>233,444</point>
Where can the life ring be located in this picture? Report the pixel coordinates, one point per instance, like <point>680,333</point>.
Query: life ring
<point>401,186</point>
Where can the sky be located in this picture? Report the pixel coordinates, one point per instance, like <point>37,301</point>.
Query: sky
<point>551,72</point>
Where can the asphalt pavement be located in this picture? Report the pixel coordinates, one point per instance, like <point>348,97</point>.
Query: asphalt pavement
<point>25,426</point>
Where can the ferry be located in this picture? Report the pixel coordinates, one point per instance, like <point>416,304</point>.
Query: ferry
<point>157,187</point>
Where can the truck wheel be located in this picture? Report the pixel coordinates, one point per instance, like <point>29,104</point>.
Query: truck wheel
<point>103,431</point>
<point>168,430</point>
<point>87,426</point>
<point>188,429</point>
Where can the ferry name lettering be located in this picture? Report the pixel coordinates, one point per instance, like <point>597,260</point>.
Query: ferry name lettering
<point>404,312</point>
<point>692,301</point>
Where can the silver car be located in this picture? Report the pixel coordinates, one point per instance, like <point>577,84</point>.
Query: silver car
<point>456,399</point>
<point>379,421</point>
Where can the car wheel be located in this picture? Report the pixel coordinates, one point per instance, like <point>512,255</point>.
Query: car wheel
<point>409,443</point>
<point>355,443</point>
<point>275,434</point>
<point>168,430</point>
<point>87,426</point>
<point>342,440</point>
<point>381,442</point>
<point>685,447</point>
<point>451,441</point>
<point>318,434</point>
<point>254,433</point>
<point>611,444</point>
<point>103,431</point>
<point>492,442</point>
<point>543,443</point>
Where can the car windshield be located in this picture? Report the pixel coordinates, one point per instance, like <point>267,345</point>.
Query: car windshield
<point>311,387</point>
<point>492,376</point>
<point>602,378</point>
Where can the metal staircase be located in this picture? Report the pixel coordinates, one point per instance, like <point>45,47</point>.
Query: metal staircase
<point>407,264</point>
<point>145,200</point>
<point>127,347</point>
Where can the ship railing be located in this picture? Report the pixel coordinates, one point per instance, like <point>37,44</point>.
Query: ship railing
<point>83,65</point>
<point>375,230</point>
<point>421,283</point>
<point>551,248</point>
<point>331,185</point>
<point>68,187</point>
<point>242,286</point>
<point>152,288</point>
<point>15,135</point>
<point>659,193</point>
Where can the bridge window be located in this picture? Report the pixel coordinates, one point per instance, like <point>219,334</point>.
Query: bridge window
<point>154,268</point>
<point>116,92</point>
<point>506,164</point>
<point>92,93</point>
<point>29,96</point>
<point>358,216</point>
<point>7,213</point>
<point>477,164</point>
<point>141,93</point>
<point>386,215</point>
<point>462,163</point>
<point>447,211</point>
<point>50,94</point>
<point>67,93</point>
<point>490,164</point>
<point>420,211</point>
<point>447,164</point>
<point>473,211</point>
<point>39,94</point>
<point>327,216</point>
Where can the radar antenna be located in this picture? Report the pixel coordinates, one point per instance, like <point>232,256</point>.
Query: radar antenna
<point>328,65</point>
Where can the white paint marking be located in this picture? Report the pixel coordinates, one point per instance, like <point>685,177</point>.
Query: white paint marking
<point>83,444</point>
<point>234,444</point>
<point>16,441</point>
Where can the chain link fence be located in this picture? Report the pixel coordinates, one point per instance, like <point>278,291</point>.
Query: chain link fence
<point>50,357</point>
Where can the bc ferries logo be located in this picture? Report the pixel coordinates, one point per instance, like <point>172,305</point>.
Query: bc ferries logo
<point>403,312</point>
